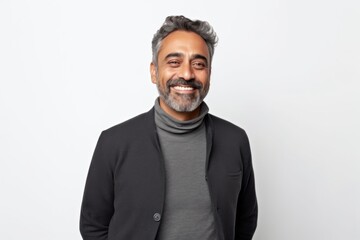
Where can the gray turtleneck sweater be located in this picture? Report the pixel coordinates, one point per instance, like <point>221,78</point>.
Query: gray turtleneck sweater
<point>187,212</point>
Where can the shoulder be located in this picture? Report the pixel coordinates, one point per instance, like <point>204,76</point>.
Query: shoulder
<point>225,128</point>
<point>225,133</point>
<point>229,138</point>
<point>138,126</point>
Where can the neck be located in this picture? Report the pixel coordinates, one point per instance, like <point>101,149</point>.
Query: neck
<point>181,116</point>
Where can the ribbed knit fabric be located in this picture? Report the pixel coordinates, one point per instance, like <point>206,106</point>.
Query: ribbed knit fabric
<point>187,212</point>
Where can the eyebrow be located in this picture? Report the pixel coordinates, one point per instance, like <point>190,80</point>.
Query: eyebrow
<point>195,56</point>
<point>199,56</point>
<point>174,54</point>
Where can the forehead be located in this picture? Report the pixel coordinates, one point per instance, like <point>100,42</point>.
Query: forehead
<point>183,42</point>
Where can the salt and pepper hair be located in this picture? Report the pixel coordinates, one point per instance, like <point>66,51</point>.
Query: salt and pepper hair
<point>174,23</point>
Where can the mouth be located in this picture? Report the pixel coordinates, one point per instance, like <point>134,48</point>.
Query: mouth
<point>180,86</point>
<point>183,89</point>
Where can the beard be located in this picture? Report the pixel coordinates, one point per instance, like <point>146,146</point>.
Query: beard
<point>181,102</point>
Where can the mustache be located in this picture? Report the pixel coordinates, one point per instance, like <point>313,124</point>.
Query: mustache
<point>189,83</point>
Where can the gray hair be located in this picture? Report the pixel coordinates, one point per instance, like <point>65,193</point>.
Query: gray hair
<point>174,23</point>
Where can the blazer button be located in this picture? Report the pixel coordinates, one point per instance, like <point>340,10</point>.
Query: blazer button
<point>157,217</point>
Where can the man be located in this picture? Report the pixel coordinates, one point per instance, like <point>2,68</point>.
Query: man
<point>175,172</point>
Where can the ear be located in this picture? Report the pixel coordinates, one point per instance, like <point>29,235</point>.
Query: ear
<point>153,73</point>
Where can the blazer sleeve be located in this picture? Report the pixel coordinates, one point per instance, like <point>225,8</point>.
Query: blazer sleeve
<point>97,205</point>
<point>247,209</point>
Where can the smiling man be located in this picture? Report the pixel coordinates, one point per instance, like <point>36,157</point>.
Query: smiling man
<point>182,73</point>
<point>175,172</point>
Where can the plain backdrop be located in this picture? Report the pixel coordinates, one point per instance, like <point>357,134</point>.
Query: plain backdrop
<point>287,72</point>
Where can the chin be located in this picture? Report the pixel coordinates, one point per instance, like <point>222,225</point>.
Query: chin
<point>184,107</point>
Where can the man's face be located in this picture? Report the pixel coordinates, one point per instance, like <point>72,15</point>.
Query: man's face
<point>183,72</point>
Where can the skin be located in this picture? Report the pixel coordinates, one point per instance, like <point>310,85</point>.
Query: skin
<point>183,55</point>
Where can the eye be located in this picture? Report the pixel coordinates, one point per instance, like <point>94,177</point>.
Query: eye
<point>174,63</point>
<point>199,65</point>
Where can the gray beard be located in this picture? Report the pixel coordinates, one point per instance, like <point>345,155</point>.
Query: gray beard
<point>188,103</point>
<point>183,102</point>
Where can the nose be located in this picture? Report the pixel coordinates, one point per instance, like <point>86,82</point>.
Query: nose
<point>186,72</point>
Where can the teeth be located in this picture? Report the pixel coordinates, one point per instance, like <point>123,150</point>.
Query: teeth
<point>183,88</point>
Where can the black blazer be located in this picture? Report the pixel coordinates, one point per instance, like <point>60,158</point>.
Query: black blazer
<point>125,188</point>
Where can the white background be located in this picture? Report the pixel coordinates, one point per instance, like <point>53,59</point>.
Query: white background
<point>288,72</point>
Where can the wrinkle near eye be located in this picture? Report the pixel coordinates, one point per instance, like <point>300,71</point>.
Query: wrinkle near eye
<point>174,63</point>
<point>199,65</point>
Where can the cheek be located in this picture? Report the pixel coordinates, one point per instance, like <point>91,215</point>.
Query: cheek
<point>203,75</point>
<point>204,79</point>
<point>166,76</point>
<point>161,81</point>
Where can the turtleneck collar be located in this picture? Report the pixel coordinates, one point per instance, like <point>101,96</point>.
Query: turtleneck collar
<point>167,123</point>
